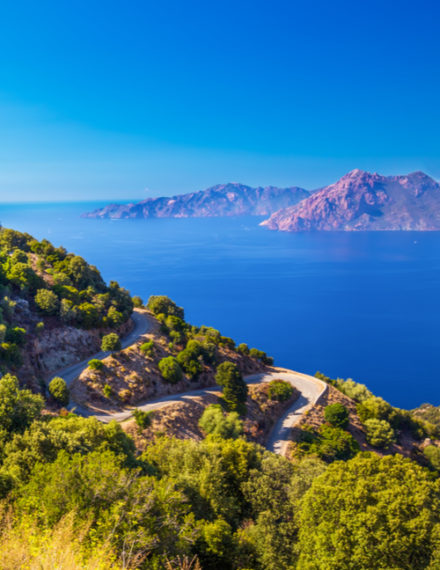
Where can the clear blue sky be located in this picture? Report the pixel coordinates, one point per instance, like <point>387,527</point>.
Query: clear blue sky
<point>129,99</point>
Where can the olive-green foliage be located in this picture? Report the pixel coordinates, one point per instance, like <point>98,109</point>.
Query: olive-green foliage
<point>147,348</point>
<point>432,453</point>
<point>354,390</point>
<point>261,355</point>
<point>328,442</point>
<point>191,358</point>
<point>107,391</point>
<point>170,369</point>
<point>162,305</point>
<point>143,419</point>
<point>370,513</point>
<point>18,408</point>
<point>110,342</point>
<point>374,407</point>
<point>59,390</point>
<point>215,422</point>
<point>95,364</point>
<point>243,348</point>
<point>47,302</point>
<point>336,414</point>
<point>16,335</point>
<point>235,389</point>
<point>379,433</point>
<point>280,390</point>
<point>137,301</point>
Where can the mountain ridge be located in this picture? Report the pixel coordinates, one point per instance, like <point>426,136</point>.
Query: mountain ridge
<point>231,199</point>
<point>365,201</point>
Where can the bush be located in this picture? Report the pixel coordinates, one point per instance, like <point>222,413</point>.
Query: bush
<point>47,302</point>
<point>107,391</point>
<point>110,343</point>
<point>96,364</point>
<point>16,335</point>
<point>374,408</point>
<point>170,369</point>
<point>280,390</point>
<point>59,390</point>
<point>137,302</point>
<point>147,348</point>
<point>213,421</point>
<point>143,419</point>
<point>379,433</point>
<point>329,443</point>
<point>336,415</point>
<point>261,356</point>
<point>432,453</point>
<point>243,349</point>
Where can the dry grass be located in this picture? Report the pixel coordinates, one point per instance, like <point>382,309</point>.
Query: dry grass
<point>27,547</point>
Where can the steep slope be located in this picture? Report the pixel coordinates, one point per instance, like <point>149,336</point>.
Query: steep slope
<point>364,201</point>
<point>231,199</point>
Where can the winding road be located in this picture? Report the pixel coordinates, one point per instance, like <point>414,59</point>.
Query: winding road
<point>310,388</point>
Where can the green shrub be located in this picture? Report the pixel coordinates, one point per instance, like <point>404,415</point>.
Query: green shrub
<point>95,364</point>
<point>170,369</point>
<point>328,442</point>
<point>143,419</point>
<point>59,390</point>
<point>261,356</point>
<point>47,302</point>
<point>215,422</point>
<point>432,453</point>
<point>163,305</point>
<point>147,348</point>
<point>16,335</point>
<point>379,433</point>
<point>243,349</point>
<point>137,302</point>
<point>280,390</point>
<point>336,415</point>
<point>107,391</point>
<point>110,342</point>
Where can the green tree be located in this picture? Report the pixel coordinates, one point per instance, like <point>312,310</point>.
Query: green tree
<point>379,433</point>
<point>215,422</point>
<point>143,419</point>
<point>47,302</point>
<point>235,389</point>
<point>161,304</point>
<point>336,415</point>
<point>110,342</point>
<point>59,390</point>
<point>18,408</point>
<point>137,302</point>
<point>170,369</point>
<point>370,513</point>
<point>95,364</point>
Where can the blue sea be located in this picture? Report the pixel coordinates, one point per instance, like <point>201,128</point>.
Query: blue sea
<point>359,305</point>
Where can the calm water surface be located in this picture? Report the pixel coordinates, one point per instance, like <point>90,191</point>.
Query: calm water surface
<point>360,305</point>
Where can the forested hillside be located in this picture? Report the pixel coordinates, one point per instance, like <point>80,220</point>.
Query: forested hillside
<point>54,306</point>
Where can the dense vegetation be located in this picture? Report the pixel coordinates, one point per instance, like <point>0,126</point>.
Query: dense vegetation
<point>76,488</point>
<point>43,285</point>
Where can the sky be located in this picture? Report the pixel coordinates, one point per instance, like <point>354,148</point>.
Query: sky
<point>125,100</point>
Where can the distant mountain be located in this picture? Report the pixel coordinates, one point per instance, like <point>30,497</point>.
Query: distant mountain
<point>231,199</point>
<point>364,201</point>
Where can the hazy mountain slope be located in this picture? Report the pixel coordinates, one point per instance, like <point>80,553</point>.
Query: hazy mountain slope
<point>364,201</point>
<point>231,199</point>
